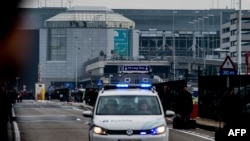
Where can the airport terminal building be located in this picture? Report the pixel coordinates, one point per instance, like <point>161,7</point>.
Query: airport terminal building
<point>66,38</point>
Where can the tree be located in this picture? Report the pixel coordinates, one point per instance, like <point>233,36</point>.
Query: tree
<point>102,53</point>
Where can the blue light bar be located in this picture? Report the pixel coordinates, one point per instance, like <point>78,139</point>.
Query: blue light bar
<point>146,85</point>
<point>143,133</point>
<point>122,85</point>
<point>127,85</point>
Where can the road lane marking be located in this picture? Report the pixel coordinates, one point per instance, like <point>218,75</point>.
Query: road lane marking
<point>204,136</point>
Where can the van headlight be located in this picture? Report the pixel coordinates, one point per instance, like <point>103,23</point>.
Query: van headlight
<point>99,130</point>
<point>158,130</point>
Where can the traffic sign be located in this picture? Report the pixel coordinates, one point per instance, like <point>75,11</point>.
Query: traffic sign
<point>228,72</point>
<point>99,82</point>
<point>227,64</point>
<point>228,67</point>
<point>136,68</point>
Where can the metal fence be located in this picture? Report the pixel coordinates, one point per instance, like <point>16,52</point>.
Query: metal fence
<point>212,89</point>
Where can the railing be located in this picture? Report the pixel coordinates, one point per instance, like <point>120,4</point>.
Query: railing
<point>168,59</point>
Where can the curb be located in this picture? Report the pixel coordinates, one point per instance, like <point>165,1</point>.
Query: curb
<point>14,134</point>
<point>206,127</point>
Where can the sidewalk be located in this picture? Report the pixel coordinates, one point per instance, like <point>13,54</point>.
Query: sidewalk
<point>208,124</point>
<point>11,134</point>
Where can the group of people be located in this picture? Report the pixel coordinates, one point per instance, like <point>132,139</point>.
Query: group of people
<point>7,98</point>
<point>111,108</point>
<point>230,104</point>
<point>231,108</point>
<point>181,102</point>
<point>90,96</point>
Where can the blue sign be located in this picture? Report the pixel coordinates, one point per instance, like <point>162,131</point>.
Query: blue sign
<point>228,72</point>
<point>99,82</point>
<point>121,42</point>
<point>68,85</point>
<point>135,68</point>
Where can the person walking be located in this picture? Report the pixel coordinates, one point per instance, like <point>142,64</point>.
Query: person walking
<point>93,96</point>
<point>231,108</point>
<point>11,100</point>
<point>4,110</point>
<point>87,97</point>
<point>166,98</point>
<point>184,106</point>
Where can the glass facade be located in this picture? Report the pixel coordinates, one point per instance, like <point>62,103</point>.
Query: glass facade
<point>57,44</point>
<point>160,44</point>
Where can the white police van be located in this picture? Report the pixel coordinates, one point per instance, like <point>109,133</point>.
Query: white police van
<point>117,115</point>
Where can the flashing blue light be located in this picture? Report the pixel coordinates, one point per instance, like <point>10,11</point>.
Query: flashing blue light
<point>154,131</point>
<point>146,85</point>
<point>143,133</point>
<point>122,85</point>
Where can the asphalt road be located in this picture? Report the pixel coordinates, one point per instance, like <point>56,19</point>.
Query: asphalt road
<point>59,121</point>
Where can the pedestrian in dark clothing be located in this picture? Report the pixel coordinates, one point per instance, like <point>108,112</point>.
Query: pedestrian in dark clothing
<point>87,98</point>
<point>14,55</point>
<point>79,96</point>
<point>4,110</point>
<point>166,98</point>
<point>11,100</point>
<point>93,96</point>
<point>231,108</point>
<point>184,105</point>
<point>20,97</point>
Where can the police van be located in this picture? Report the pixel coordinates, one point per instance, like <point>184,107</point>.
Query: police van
<point>126,112</point>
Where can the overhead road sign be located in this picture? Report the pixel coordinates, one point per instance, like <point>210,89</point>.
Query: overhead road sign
<point>228,67</point>
<point>136,69</point>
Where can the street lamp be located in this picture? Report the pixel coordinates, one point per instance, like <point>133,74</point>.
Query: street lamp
<point>201,35</point>
<point>239,39</point>
<point>193,47</point>
<point>174,12</point>
<point>205,49</point>
<point>92,49</point>
<point>211,15</point>
<point>76,50</point>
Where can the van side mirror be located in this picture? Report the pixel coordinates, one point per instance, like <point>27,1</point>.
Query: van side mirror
<point>87,113</point>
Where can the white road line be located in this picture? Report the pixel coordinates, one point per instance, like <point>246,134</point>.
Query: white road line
<point>207,137</point>
<point>17,133</point>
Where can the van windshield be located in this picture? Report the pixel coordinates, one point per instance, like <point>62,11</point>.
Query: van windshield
<point>128,105</point>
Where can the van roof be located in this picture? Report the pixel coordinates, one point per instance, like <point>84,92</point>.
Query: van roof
<point>128,92</point>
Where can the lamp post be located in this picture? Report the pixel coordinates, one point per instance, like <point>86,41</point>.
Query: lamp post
<point>206,17</point>
<point>174,12</point>
<point>76,50</point>
<point>239,39</point>
<point>205,47</point>
<point>194,40</point>
<point>195,30</point>
<point>211,15</point>
<point>200,43</point>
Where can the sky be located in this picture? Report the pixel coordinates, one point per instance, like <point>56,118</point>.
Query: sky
<point>141,4</point>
